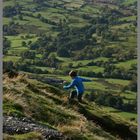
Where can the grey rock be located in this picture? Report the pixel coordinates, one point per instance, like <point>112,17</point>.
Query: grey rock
<point>13,125</point>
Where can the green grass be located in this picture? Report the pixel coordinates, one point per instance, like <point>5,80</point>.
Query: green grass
<point>39,55</point>
<point>123,115</point>
<point>17,40</point>
<point>95,69</point>
<point>90,9</point>
<point>122,26</point>
<point>17,51</point>
<point>11,58</point>
<point>43,68</point>
<point>76,21</point>
<point>27,136</point>
<point>95,86</point>
<point>16,44</point>
<point>66,61</point>
<point>36,22</point>
<point>128,2</point>
<point>6,20</point>
<point>53,16</point>
<point>118,81</point>
<point>129,96</point>
<point>126,64</point>
<point>129,18</point>
<point>39,25</point>
<point>8,3</point>
<point>101,59</point>
<point>74,4</point>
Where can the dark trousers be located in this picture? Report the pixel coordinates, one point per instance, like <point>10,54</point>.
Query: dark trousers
<point>74,94</point>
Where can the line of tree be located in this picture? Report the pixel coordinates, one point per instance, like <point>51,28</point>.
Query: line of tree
<point>10,29</point>
<point>107,99</point>
<point>6,45</point>
<point>10,11</point>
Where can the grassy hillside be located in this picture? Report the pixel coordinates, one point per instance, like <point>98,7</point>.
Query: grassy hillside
<point>45,39</point>
<point>48,105</point>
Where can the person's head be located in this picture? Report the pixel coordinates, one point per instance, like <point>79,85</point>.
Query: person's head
<point>72,74</point>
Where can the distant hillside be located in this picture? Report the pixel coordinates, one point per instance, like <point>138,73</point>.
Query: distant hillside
<point>40,36</point>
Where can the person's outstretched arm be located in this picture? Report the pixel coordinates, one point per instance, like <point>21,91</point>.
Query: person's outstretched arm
<point>86,80</point>
<point>72,84</point>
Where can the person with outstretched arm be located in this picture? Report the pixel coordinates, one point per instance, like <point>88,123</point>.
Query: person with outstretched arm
<point>77,83</point>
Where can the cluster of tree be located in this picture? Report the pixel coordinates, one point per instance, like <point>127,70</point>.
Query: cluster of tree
<point>94,51</point>
<point>102,63</point>
<point>38,1</point>
<point>63,52</point>
<point>126,55</point>
<point>45,20</point>
<point>10,11</point>
<point>88,53</point>
<point>132,85</point>
<point>10,69</point>
<point>130,6</point>
<point>43,45</point>
<point>27,68</point>
<point>110,62</point>
<point>71,43</point>
<point>42,4</point>
<point>7,66</point>
<point>51,61</point>
<point>112,15</point>
<point>10,29</point>
<point>111,71</point>
<point>113,101</point>
<point>6,45</point>
<point>86,16</point>
<point>73,39</point>
<point>28,55</point>
<point>110,35</point>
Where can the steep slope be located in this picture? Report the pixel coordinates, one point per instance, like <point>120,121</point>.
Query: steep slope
<point>47,105</point>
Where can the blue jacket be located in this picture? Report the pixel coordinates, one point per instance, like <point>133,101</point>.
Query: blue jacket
<point>77,82</point>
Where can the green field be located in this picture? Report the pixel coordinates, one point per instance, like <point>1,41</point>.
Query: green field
<point>95,69</point>
<point>13,58</point>
<point>126,64</point>
<point>123,115</point>
<point>16,44</point>
<point>128,2</point>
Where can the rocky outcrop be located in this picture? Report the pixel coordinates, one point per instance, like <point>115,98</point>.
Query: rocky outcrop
<point>13,125</point>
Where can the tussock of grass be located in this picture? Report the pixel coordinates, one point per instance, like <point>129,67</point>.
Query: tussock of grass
<point>28,136</point>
